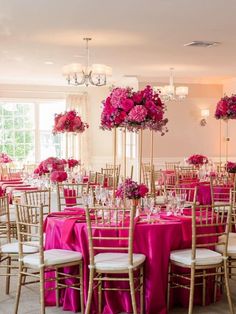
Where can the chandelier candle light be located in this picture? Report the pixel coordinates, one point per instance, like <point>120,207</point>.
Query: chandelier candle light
<point>170,92</point>
<point>78,74</point>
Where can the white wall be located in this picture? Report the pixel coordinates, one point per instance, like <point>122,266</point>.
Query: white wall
<point>186,136</point>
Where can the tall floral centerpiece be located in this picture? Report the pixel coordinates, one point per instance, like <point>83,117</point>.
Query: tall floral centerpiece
<point>69,122</point>
<point>134,111</point>
<point>226,110</point>
<point>4,158</point>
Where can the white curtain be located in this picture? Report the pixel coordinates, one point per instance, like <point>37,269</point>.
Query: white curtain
<point>77,145</point>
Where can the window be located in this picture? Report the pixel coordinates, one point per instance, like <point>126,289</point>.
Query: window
<point>17,129</point>
<point>50,145</point>
<point>26,130</point>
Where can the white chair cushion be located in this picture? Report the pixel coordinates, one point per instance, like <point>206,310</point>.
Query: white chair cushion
<point>203,257</point>
<point>117,261</point>
<point>13,248</point>
<point>231,250</point>
<point>53,257</point>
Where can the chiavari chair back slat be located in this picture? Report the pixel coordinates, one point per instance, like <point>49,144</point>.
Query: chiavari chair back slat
<point>30,229</point>
<point>36,198</point>
<point>5,227</point>
<point>70,194</point>
<point>171,165</point>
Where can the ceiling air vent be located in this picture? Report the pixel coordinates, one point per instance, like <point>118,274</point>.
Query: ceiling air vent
<point>202,44</point>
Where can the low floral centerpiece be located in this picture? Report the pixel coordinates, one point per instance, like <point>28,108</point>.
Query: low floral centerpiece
<point>4,158</point>
<point>50,164</point>
<point>134,110</point>
<point>226,108</point>
<point>197,160</point>
<point>131,190</point>
<point>58,176</point>
<point>73,163</point>
<point>230,167</point>
<point>69,121</point>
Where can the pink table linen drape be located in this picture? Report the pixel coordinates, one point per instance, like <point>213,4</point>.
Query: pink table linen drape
<point>154,240</point>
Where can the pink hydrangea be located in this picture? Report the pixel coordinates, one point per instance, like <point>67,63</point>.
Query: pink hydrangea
<point>58,176</point>
<point>117,95</point>
<point>137,114</point>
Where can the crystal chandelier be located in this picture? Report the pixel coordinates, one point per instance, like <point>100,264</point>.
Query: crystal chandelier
<point>170,92</point>
<point>78,74</point>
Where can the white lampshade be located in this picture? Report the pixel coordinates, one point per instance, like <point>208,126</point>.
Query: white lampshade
<point>181,91</point>
<point>205,113</point>
<point>75,68</point>
<point>98,69</point>
<point>66,70</point>
<point>168,90</point>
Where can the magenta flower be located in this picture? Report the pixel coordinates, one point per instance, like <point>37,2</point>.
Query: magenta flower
<point>69,121</point>
<point>138,114</point>
<point>58,176</point>
<point>131,190</point>
<point>117,95</point>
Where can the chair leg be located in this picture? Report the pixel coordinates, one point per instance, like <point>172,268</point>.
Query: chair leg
<point>90,291</point>
<point>132,291</point>
<point>215,285</point>
<point>42,280</point>
<point>20,276</point>
<point>226,275</point>
<point>191,293</point>
<point>204,288</point>
<point>168,287</point>
<point>81,288</point>
<point>57,289</point>
<point>141,291</point>
<point>100,295</point>
<point>8,277</point>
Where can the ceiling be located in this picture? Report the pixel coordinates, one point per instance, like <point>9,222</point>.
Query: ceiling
<point>142,38</point>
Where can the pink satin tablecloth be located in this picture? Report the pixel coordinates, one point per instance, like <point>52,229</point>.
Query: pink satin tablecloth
<point>154,240</point>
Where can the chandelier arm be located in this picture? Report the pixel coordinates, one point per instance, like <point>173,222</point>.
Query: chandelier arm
<point>100,83</point>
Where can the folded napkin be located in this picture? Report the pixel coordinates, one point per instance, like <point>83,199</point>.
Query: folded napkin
<point>74,208</point>
<point>70,196</point>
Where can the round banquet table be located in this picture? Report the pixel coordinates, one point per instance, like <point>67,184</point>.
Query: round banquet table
<point>154,240</point>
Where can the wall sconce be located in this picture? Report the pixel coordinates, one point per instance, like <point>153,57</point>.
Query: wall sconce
<point>204,115</point>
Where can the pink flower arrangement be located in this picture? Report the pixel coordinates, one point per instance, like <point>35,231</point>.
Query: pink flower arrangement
<point>231,167</point>
<point>134,110</point>
<point>73,162</point>
<point>58,176</point>
<point>4,158</point>
<point>131,189</point>
<point>50,164</point>
<point>226,108</point>
<point>197,160</point>
<point>68,121</point>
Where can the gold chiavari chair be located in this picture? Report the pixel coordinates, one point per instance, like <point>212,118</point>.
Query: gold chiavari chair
<point>9,252</point>
<point>171,165</point>
<point>220,191</point>
<point>100,179</point>
<point>29,168</point>
<point>170,181</point>
<point>15,173</point>
<point>208,225</point>
<point>231,248</point>
<point>107,228</point>
<point>92,177</point>
<point>4,174</point>
<point>70,194</point>
<point>185,174</point>
<point>30,227</point>
<point>36,198</point>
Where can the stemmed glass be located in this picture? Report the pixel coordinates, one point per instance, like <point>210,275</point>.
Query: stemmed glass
<point>181,199</point>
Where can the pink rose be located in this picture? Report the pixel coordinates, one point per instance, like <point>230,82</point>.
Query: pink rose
<point>142,190</point>
<point>222,107</point>
<point>127,104</point>
<point>138,97</point>
<point>117,95</point>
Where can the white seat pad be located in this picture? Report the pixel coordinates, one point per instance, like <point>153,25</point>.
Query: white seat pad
<point>53,257</point>
<point>116,261</point>
<point>203,257</point>
<point>231,249</point>
<point>13,248</point>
